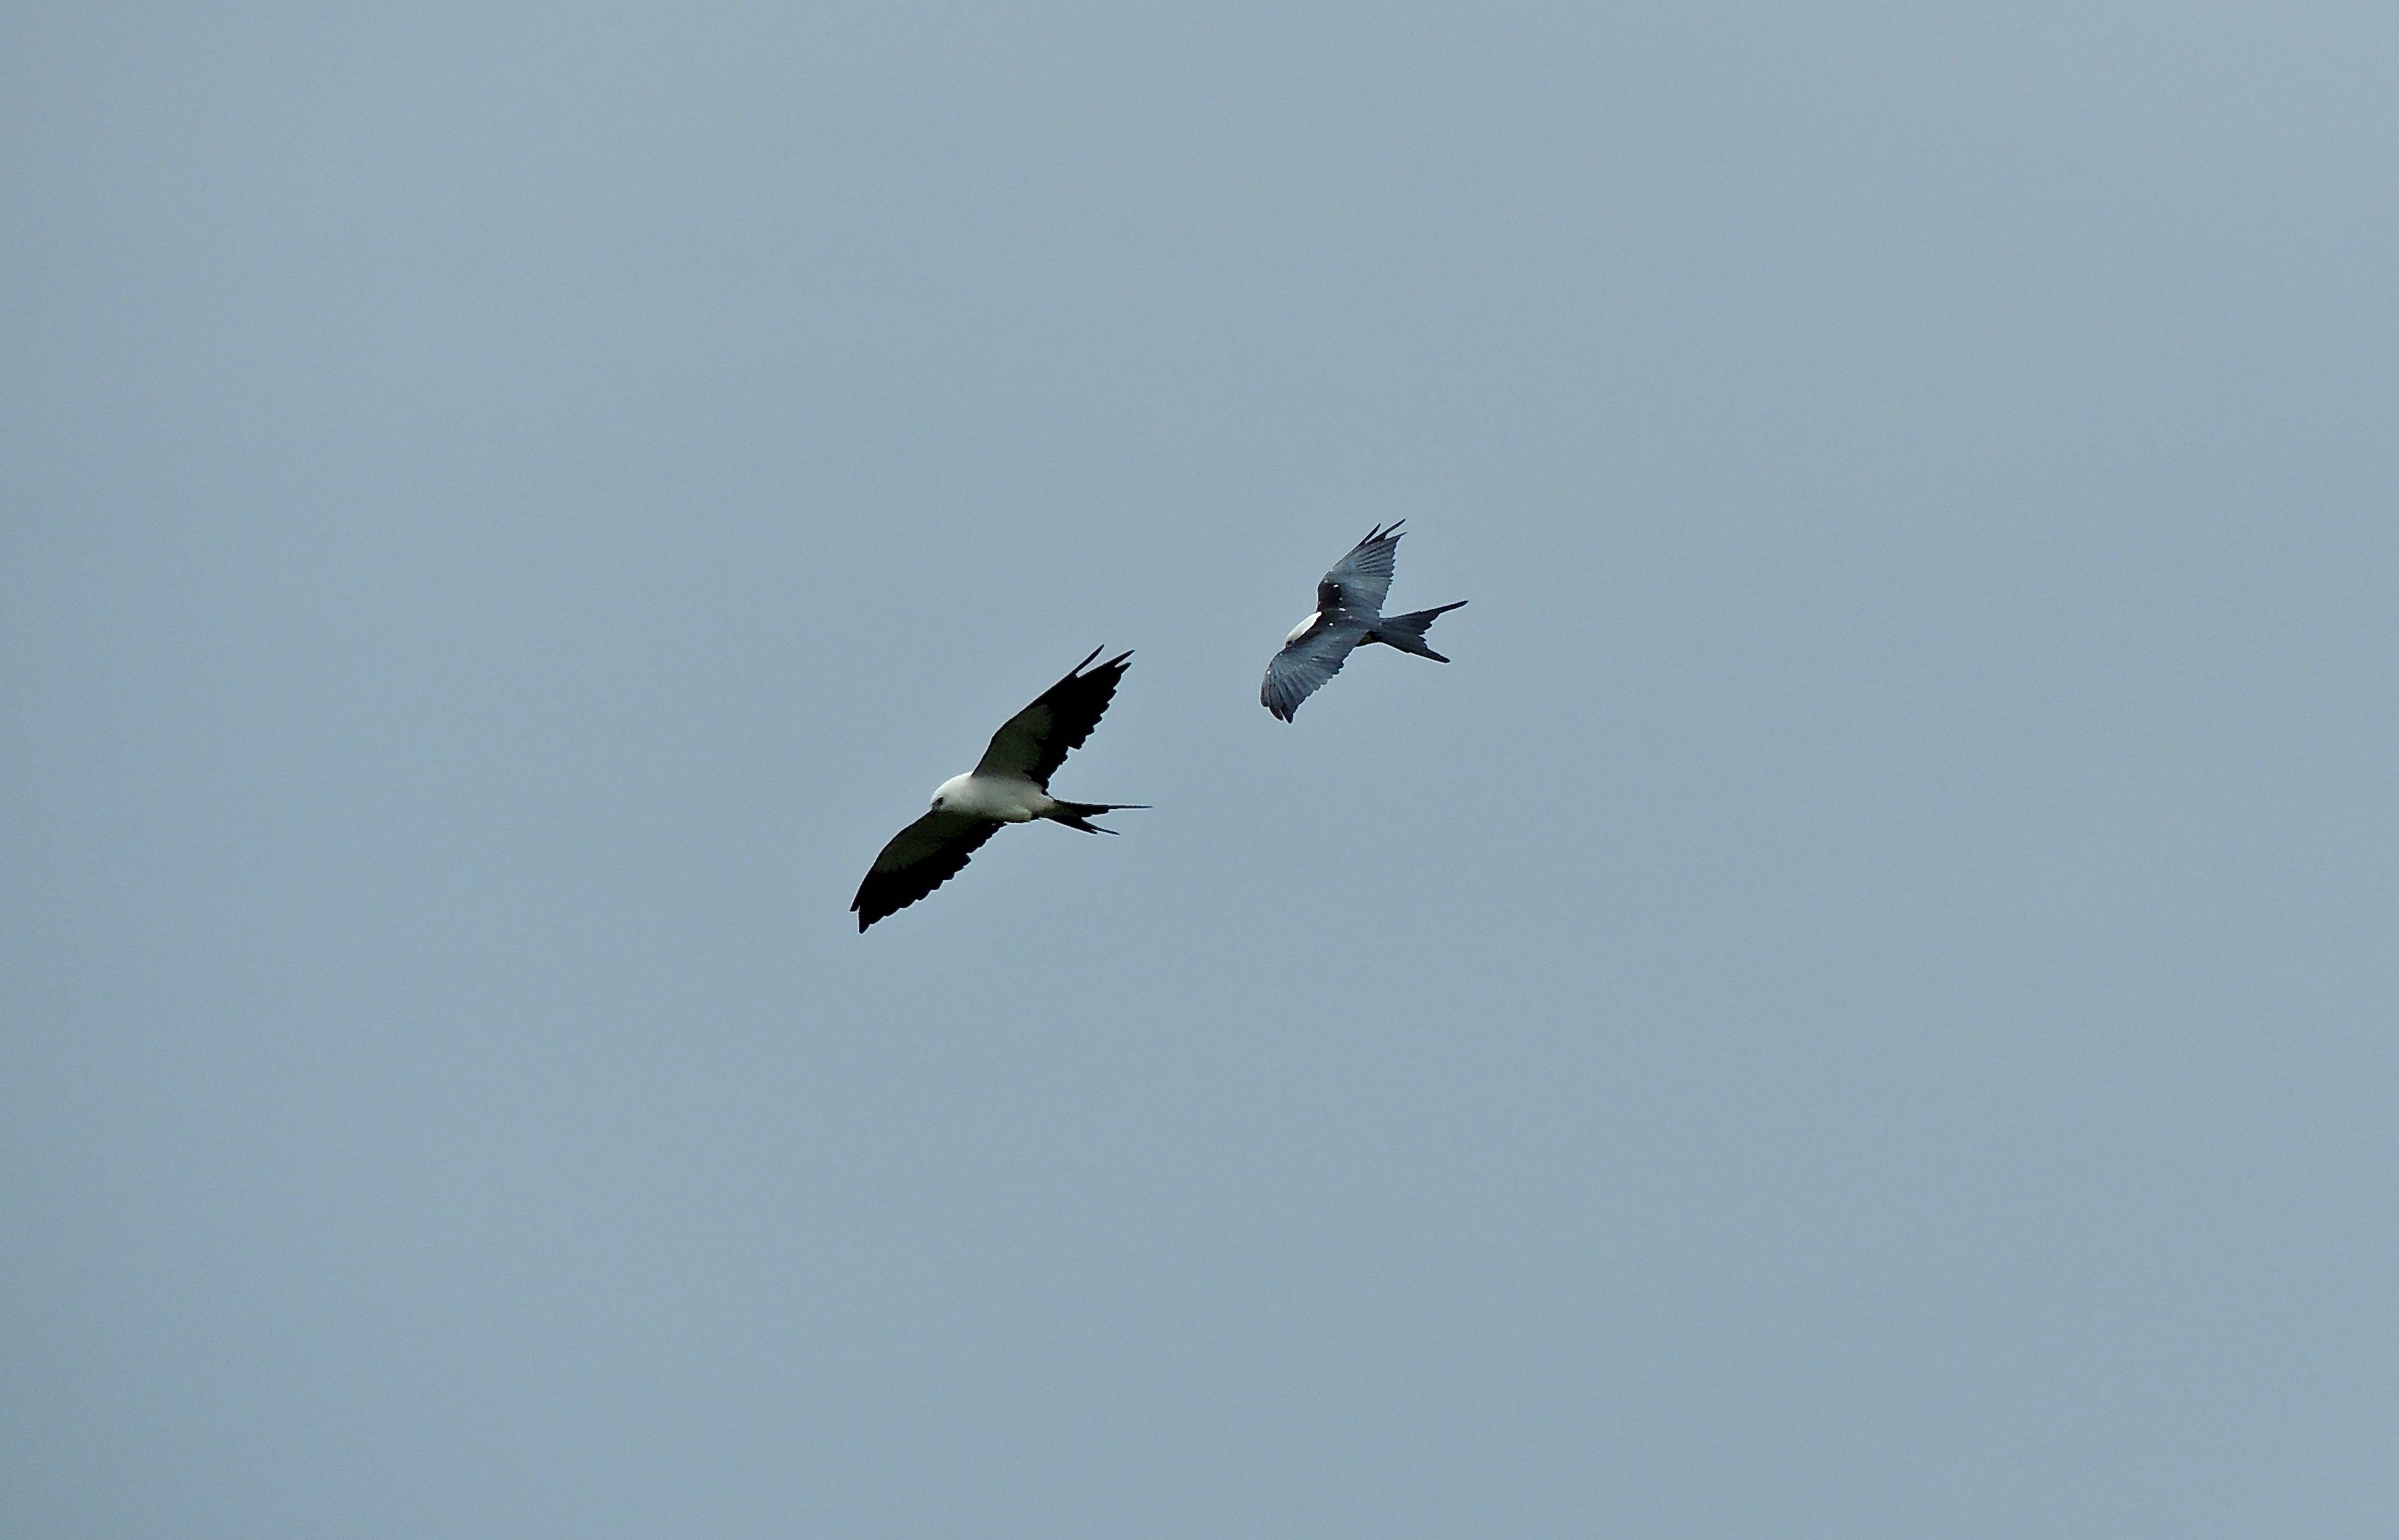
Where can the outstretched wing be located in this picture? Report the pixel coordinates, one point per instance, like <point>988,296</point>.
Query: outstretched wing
<point>1035,741</point>
<point>1359,581</point>
<point>920,858</point>
<point>1301,668</point>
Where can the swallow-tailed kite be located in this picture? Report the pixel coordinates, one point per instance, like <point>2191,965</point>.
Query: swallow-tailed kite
<point>1349,614</point>
<point>1010,785</point>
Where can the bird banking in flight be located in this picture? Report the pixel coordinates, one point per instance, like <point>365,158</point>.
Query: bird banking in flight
<point>1010,785</point>
<point>1349,614</point>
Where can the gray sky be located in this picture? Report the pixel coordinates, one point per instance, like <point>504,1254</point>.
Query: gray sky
<point>1862,1004</point>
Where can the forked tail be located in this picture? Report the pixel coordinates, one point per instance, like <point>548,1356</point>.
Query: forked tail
<point>1407,632</point>
<point>1077,815</point>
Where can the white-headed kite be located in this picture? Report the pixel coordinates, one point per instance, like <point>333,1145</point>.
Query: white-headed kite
<point>1010,785</point>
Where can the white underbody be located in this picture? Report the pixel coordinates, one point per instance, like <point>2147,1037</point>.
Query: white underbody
<point>1301,630</point>
<point>1002,798</point>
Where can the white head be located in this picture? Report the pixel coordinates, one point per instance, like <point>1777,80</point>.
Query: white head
<point>1301,630</point>
<point>949,791</point>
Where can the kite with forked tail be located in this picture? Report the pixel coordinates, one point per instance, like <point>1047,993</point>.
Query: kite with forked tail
<point>1348,615</point>
<point>1009,786</point>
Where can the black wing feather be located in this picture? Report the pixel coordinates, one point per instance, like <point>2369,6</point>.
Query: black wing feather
<point>1302,667</point>
<point>1036,740</point>
<point>918,859</point>
<point>1359,581</point>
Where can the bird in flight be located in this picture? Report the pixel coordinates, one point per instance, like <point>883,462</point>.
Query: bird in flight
<point>1349,614</point>
<point>1009,786</point>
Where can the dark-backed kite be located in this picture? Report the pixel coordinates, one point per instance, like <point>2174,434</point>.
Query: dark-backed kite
<point>1349,614</point>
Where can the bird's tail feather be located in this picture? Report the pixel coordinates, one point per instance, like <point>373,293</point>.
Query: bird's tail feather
<point>1407,632</point>
<point>1077,815</point>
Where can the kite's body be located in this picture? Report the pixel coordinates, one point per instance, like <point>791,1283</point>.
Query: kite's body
<point>1009,786</point>
<point>1348,615</point>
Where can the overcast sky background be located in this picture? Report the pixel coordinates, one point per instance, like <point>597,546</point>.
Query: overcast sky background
<point>1863,1004</point>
